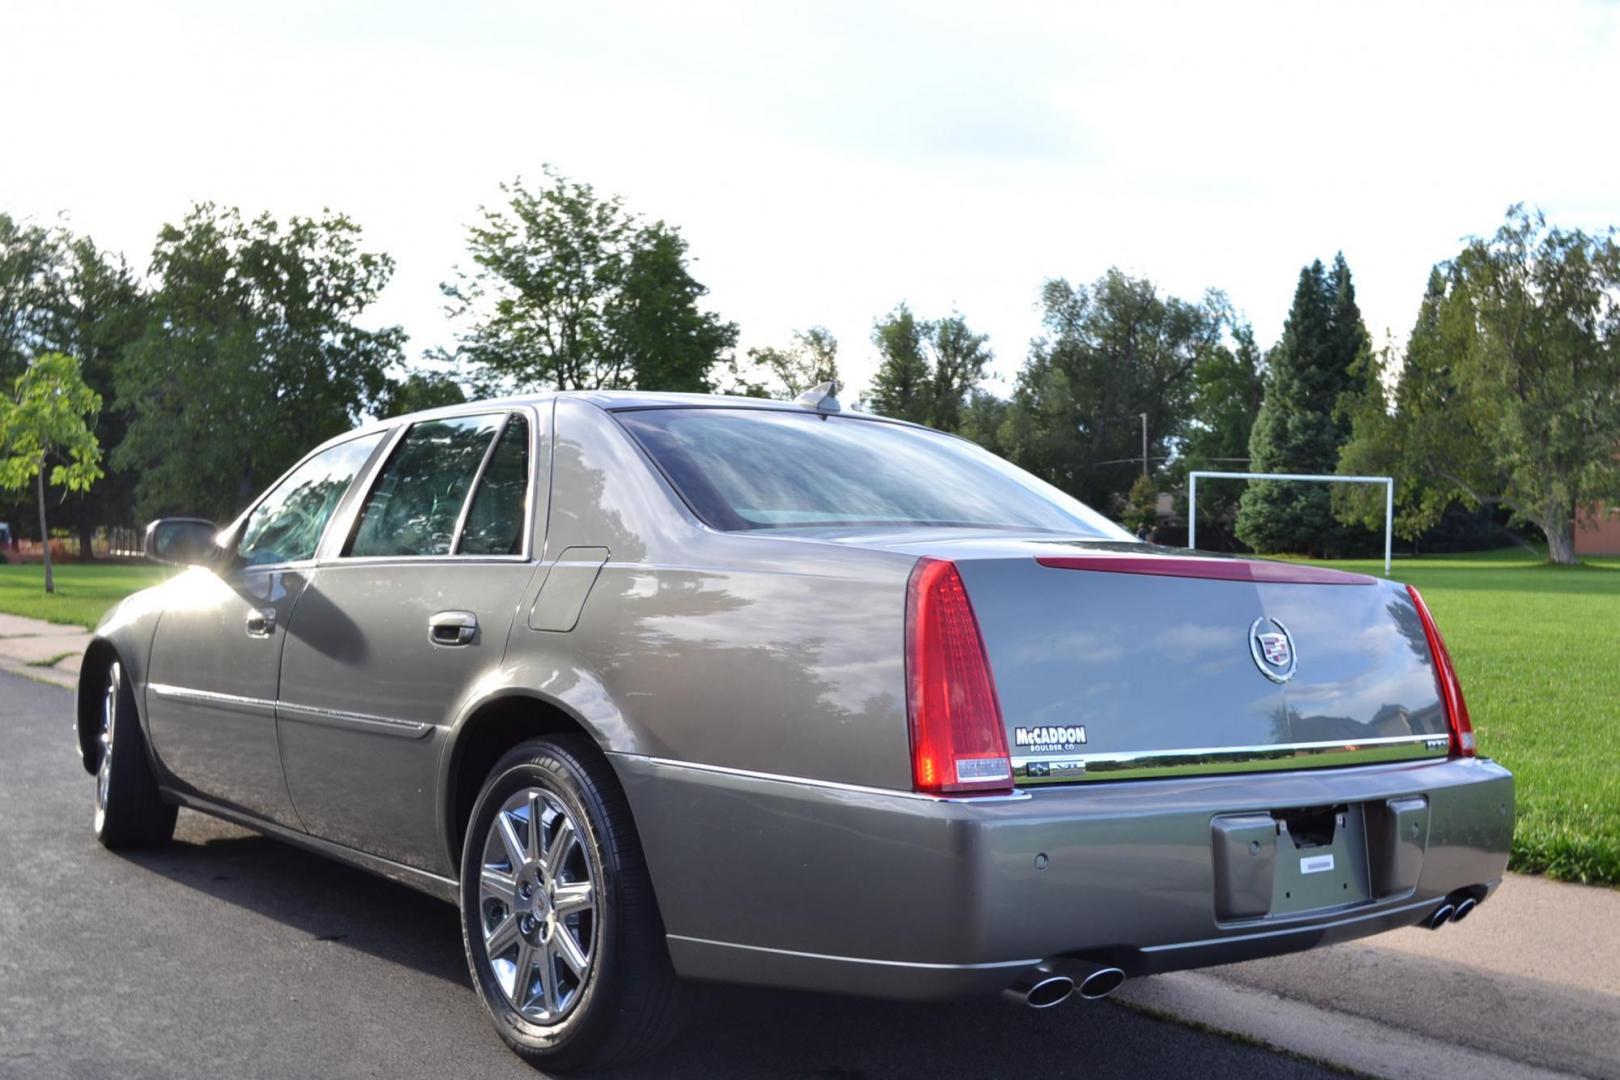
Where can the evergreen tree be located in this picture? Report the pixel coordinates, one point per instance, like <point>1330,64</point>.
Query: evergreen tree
<point>1319,363</point>
<point>903,387</point>
<point>928,368</point>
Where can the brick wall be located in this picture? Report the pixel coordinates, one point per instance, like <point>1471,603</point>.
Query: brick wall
<point>1599,532</point>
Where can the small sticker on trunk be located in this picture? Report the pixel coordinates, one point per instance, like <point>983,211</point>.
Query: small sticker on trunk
<point>1316,864</point>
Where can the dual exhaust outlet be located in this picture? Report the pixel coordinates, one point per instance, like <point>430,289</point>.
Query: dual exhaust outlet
<point>1053,982</point>
<point>1458,906</point>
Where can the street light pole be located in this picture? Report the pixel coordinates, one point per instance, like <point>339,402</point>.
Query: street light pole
<point>1144,444</point>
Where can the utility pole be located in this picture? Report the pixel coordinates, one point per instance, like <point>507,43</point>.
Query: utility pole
<point>1144,444</point>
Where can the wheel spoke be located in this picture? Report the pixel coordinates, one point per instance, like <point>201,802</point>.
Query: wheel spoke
<point>509,839</point>
<point>494,884</point>
<point>548,979</point>
<point>498,940</point>
<point>563,941</point>
<point>521,972</point>
<point>561,845</point>
<point>574,896</point>
<point>535,811</point>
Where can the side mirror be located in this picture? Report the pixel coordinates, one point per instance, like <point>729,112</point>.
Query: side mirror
<point>182,542</point>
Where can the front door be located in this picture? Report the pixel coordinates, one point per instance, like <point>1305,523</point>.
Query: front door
<point>399,625</point>
<point>216,656</point>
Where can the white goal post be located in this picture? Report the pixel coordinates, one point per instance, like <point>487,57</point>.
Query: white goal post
<point>1387,481</point>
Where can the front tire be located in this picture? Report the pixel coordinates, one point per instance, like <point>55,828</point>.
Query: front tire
<point>130,812</point>
<point>562,933</point>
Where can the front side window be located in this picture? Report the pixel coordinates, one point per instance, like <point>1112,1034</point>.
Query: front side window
<point>287,524</point>
<point>501,504</point>
<point>413,508</point>
<point>751,469</point>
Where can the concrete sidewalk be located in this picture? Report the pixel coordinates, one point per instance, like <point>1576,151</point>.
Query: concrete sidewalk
<point>1528,985</point>
<point>46,651</point>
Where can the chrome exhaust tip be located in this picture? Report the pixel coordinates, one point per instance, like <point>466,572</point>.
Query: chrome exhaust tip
<point>1465,908</point>
<point>1441,916</point>
<point>1040,989</point>
<point>1100,983</point>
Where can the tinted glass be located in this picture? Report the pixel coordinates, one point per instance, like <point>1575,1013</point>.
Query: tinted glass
<point>414,506</point>
<point>756,469</point>
<point>287,524</point>
<point>501,503</point>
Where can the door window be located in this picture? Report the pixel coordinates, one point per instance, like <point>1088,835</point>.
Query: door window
<point>413,508</point>
<point>287,524</point>
<point>501,504</point>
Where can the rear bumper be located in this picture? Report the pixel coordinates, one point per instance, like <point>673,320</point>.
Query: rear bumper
<point>788,883</point>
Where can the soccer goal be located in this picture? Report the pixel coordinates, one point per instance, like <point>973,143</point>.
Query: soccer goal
<point>1387,481</point>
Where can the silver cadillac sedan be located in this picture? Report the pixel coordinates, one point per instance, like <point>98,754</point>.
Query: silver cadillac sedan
<point>662,686</point>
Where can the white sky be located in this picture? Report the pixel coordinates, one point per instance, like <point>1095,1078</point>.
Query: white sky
<point>827,160</point>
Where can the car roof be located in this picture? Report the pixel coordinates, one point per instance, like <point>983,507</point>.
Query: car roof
<point>610,400</point>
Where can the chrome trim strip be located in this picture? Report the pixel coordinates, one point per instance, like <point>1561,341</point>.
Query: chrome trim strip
<point>1125,765</point>
<point>805,781</point>
<point>1299,928</point>
<point>210,697</point>
<point>857,959</point>
<point>375,725</point>
<point>378,725</point>
<point>426,881</point>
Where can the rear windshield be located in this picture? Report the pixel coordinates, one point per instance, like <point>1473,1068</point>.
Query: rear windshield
<point>746,469</point>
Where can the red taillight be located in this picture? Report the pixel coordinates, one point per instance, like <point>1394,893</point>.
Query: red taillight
<point>958,745</point>
<point>1462,729</point>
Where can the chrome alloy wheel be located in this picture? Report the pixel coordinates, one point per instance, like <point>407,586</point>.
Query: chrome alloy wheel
<point>537,905</point>
<point>109,713</point>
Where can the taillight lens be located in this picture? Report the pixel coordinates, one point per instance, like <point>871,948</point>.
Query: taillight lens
<point>1462,729</point>
<point>958,744</point>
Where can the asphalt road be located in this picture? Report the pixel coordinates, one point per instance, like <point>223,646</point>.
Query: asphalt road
<point>227,954</point>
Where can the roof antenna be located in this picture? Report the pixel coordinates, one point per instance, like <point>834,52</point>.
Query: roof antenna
<point>820,398</point>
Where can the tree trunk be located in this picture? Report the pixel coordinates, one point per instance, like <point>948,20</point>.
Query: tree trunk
<point>44,532</point>
<point>1560,530</point>
<point>87,543</point>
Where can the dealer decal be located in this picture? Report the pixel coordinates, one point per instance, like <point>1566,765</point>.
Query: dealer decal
<point>1052,739</point>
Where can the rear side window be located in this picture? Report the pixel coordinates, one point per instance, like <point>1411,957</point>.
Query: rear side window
<point>287,524</point>
<point>413,508</point>
<point>751,469</point>
<point>501,504</point>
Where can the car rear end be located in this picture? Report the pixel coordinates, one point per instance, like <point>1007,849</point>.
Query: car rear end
<point>1123,760</point>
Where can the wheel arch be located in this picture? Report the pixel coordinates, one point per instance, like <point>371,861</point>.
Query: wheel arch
<point>99,656</point>
<point>489,729</point>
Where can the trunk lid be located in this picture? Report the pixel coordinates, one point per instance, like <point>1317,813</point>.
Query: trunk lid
<point>1115,664</point>
<point>1122,661</point>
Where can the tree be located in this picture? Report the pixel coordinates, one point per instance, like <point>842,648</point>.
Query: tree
<point>927,368</point>
<point>60,293</point>
<point>1113,350</point>
<point>51,411</point>
<point>1319,365</point>
<point>812,359</point>
<point>417,391</point>
<point>574,292</point>
<point>253,354</point>
<point>1141,512</point>
<point>1509,391</point>
<point>1228,386</point>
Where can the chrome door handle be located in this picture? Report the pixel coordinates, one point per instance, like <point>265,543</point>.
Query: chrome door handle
<point>453,628</point>
<point>260,621</point>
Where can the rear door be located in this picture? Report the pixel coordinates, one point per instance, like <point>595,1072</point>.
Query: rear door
<point>211,684</point>
<point>402,618</point>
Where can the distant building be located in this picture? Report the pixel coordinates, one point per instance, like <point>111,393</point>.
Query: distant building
<point>1598,533</point>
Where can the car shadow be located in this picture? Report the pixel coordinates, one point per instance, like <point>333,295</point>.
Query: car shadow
<point>730,1030</point>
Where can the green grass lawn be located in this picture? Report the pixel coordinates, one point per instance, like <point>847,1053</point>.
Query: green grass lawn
<point>83,590</point>
<point>1537,648</point>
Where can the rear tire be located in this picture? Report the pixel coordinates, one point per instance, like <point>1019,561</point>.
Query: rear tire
<point>561,929</point>
<point>130,812</point>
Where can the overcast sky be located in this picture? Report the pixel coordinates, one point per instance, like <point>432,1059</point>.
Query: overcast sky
<point>825,161</point>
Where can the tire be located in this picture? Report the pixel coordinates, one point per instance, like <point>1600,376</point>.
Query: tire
<point>543,908</point>
<point>130,812</point>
